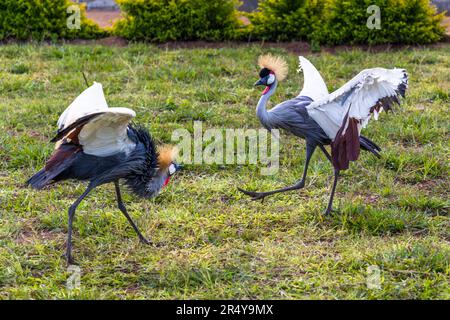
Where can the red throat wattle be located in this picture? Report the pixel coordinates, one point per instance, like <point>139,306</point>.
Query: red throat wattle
<point>166,182</point>
<point>266,90</point>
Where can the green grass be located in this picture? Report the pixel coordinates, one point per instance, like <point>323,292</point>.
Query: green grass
<point>213,241</point>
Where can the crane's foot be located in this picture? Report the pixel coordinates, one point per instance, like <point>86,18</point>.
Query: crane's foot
<point>145,241</point>
<point>329,212</point>
<point>254,195</point>
<point>70,260</point>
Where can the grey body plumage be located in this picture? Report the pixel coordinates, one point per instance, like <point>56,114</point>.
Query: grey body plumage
<point>290,115</point>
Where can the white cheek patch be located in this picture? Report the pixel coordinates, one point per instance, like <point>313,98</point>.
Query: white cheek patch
<point>271,79</point>
<point>172,169</point>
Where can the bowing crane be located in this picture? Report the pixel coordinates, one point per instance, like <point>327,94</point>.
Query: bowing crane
<point>98,144</point>
<point>322,118</point>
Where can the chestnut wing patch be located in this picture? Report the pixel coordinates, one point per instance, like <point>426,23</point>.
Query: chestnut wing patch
<point>61,159</point>
<point>77,125</point>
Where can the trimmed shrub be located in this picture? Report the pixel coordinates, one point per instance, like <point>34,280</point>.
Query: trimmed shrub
<point>402,21</point>
<point>282,20</point>
<point>345,21</point>
<point>41,20</point>
<point>163,20</point>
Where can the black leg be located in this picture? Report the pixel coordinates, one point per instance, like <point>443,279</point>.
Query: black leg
<point>330,202</point>
<point>124,211</point>
<point>299,185</point>
<point>325,152</point>
<point>72,209</point>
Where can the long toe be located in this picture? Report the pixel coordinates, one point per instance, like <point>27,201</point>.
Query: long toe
<point>255,195</point>
<point>329,211</point>
<point>249,193</point>
<point>258,196</point>
<point>71,261</point>
<point>145,241</point>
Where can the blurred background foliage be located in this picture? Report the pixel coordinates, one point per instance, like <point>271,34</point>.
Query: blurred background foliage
<point>328,22</point>
<point>43,20</point>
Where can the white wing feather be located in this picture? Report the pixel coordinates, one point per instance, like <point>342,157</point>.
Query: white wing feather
<point>313,84</point>
<point>106,134</point>
<point>368,89</point>
<point>103,135</point>
<point>91,100</point>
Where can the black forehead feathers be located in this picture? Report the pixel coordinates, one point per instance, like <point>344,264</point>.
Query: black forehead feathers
<point>264,72</point>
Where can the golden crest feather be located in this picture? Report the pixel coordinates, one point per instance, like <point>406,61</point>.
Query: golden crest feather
<point>276,64</point>
<point>166,155</point>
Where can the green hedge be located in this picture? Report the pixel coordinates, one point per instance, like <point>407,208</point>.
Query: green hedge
<point>281,20</point>
<point>41,20</point>
<point>318,21</point>
<point>345,21</point>
<point>163,20</point>
<point>402,21</point>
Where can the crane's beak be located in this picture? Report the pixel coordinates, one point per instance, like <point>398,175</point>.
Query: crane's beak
<point>260,82</point>
<point>263,82</point>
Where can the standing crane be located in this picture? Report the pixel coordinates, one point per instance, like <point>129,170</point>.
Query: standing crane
<point>321,118</point>
<point>99,144</point>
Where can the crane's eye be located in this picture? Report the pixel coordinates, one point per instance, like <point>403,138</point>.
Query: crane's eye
<point>172,169</point>
<point>271,79</point>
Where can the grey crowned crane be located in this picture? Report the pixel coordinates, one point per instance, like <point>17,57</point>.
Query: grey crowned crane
<point>322,118</point>
<point>98,144</point>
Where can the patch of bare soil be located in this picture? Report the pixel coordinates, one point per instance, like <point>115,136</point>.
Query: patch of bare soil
<point>104,18</point>
<point>29,235</point>
<point>446,23</point>
<point>296,47</point>
<point>108,41</point>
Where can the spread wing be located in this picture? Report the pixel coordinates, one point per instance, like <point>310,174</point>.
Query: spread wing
<point>89,122</point>
<point>346,111</point>
<point>313,84</point>
<point>368,93</point>
<point>91,100</point>
<point>106,134</point>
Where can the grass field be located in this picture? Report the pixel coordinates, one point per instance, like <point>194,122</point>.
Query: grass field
<point>214,242</point>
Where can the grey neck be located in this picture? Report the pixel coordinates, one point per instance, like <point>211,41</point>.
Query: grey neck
<point>155,185</point>
<point>261,108</point>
